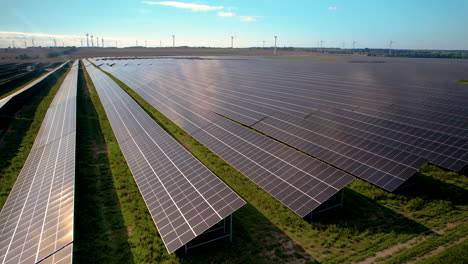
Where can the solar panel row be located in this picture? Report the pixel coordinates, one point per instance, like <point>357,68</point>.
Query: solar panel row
<point>5,100</point>
<point>397,135</point>
<point>302,136</point>
<point>36,222</point>
<point>298,181</point>
<point>183,197</point>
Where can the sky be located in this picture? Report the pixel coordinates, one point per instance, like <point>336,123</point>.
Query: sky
<point>410,24</point>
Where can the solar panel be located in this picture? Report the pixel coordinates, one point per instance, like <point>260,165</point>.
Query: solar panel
<point>298,181</point>
<point>5,100</point>
<point>396,170</point>
<point>36,222</point>
<point>379,128</point>
<point>183,197</point>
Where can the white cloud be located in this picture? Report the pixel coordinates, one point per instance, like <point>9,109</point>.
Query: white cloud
<point>226,14</point>
<point>193,7</point>
<point>249,18</point>
<point>333,8</point>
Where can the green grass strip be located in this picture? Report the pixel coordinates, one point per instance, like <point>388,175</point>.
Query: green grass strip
<point>430,244</point>
<point>462,81</point>
<point>454,255</point>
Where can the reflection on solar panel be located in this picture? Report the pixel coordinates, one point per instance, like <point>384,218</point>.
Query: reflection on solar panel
<point>5,100</point>
<point>298,181</point>
<point>369,127</point>
<point>184,198</point>
<point>36,222</point>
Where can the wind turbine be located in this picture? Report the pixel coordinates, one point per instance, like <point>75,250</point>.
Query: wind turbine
<point>13,43</point>
<point>274,51</point>
<point>146,43</point>
<point>102,39</point>
<point>116,44</point>
<point>92,43</point>
<point>391,43</point>
<point>354,44</point>
<point>81,42</point>
<point>173,41</point>
<point>87,41</point>
<point>263,44</point>
<point>232,42</point>
<point>32,40</point>
<point>25,45</point>
<point>55,42</point>
<point>97,42</point>
<point>321,45</point>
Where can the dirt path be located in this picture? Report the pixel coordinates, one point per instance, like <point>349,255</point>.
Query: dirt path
<point>438,250</point>
<point>410,243</point>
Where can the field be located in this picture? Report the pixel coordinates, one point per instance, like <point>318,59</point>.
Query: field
<point>69,53</point>
<point>423,223</point>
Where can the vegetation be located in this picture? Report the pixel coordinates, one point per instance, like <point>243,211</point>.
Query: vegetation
<point>18,131</point>
<point>454,255</point>
<point>371,221</point>
<point>462,81</point>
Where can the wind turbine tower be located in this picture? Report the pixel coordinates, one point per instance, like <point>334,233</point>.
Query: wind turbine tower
<point>97,42</point>
<point>92,43</point>
<point>173,41</point>
<point>32,40</point>
<point>25,45</point>
<point>13,43</point>
<point>102,40</point>
<point>55,42</point>
<point>146,43</point>
<point>263,44</point>
<point>321,45</point>
<point>274,51</point>
<point>232,42</point>
<point>391,43</point>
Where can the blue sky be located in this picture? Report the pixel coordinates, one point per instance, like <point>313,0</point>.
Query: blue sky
<point>423,24</point>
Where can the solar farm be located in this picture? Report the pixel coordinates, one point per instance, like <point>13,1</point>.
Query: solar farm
<point>236,159</point>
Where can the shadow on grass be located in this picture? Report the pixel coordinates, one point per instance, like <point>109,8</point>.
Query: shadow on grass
<point>255,240</point>
<point>432,189</point>
<point>100,233</point>
<point>363,214</point>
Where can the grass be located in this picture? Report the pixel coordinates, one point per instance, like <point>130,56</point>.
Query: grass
<point>453,255</point>
<point>99,225</point>
<point>371,221</point>
<point>18,130</point>
<point>462,81</point>
<point>304,58</point>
